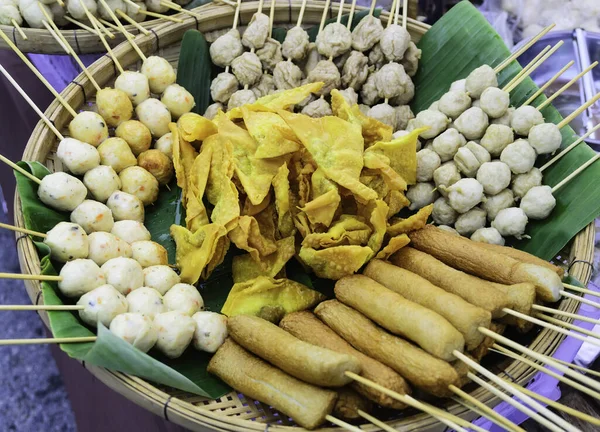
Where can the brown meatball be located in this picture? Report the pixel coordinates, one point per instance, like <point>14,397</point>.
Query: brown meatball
<point>158,164</point>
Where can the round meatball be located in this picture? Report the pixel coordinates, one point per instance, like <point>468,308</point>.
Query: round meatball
<point>247,68</point>
<point>177,100</point>
<point>391,80</point>
<point>368,91</point>
<point>523,182</point>
<point>136,135</point>
<point>135,329</point>
<point>454,103</point>
<point>265,86</point>
<point>210,331</point>
<point>355,70</point>
<point>493,204</point>
<point>105,246</point>
<point>488,235</point>
<point>479,151</point>
<point>135,9</point>
<point>114,106</point>
<point>511,222</point>
<point>327,72</point>
<point>125,206</point>
<point>466,162</point>
<point>538,202</point>
<point>421,195</point>
<point>67,241</point>
<point>78,157</point>
<point>125,274</point>
<point>496,138</point>
<point>9,12</point>
<point>494,102</point>
<point>287,75</point>
<point>79,277</point>
<point>545,138</point>
<point>165,144</point>
<point>472,123</point>
<point>223,86</point>
<point>130,231</point>
<point>212,111</point>
<point>446,175</point>
<point>175,333</point>
<point>159,72</point>
<point>146,301</point>
<point>160,277</point>
<point>403,115</point>
<point>384,113</point>
<point>465,194</point>
<point>427,162</point>
<point>519,156</point>
<point>505,119</point>
<point>443,213</point>
<point>317,108</point>
<point>102,182</point>
<point>410,62</point>
<point>376,57</point>
<point>135,85</point>
<point>30,10</point>
<point>102,305</point>
<point>449,229</point>
<point>61,191</point>
<point>257,31</point>
<point>494,177</point>
<point>149,253</point>
<point>480,79</point>
<point>93,216</point>
<point>155,116</point>
<point>350,96</point>
<point>524,118</point>
<point>89,127</point>
<point>226,48</point>
<point>447,144</point>
<point>240,98</point>
<point>158,164</point>
<point>116,153</point>
<point>469,222</point>
<point>270,54</point>
<point>367,33</point>
<point>184,298</point>
<point>295,44</point>
<point>435,120</point>
<point>334,40</point>
<point>137,181</point>
<point>394,42</point>
<point>459,85</point>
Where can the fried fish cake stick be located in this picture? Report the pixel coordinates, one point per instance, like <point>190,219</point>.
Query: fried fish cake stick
<point>307,327</point>
<point>460,313</point>
<point>470,257</point>
<point>429,330</point>
<point>474,290</point>
<point>420,368</point>
<point>525,257</point>
<point>521,297</point>
<point>349,402</point>
<point>307,404</point>
<point>480,352</point>
<point>310,363</point>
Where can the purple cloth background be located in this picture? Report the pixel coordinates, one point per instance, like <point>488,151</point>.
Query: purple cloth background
<point>60,70</point>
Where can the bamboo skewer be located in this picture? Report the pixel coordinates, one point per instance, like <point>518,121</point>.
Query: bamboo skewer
<point>579,368</point>
<point>82,25</point>
<point>122,30</point>
<point>524,48</point>
<point>179,9</point>
<point>404,13</point>
<point>376,421</point>
<point>372,9</point>
<point>530,67</point>
<point>22,230</point>
<point>571,327</point>
<point>478,412</point>
<point>32,105</point>
<point>112,26</point>
<point>569,148</point>
<point>41,307</point>
<point>133,22</point>
<point>51,31</point>
<point>575,174</point>
<point>548,83</point>
<point>19,29</point>
<point>580,299</point>
<point>103,28</point>
<point>18,168</point>
<point>106,45</point>
<point>301,15</point>
<point>392,13</point>
<point>579,110</point>
<point>566,86</point>
<point>459,421</point>
<point>158,15</point>
<point>351,15</point>
<point>565,314</point>
<point>581,290</point>
<point>272,17</point>
<point>47,341</point>
<point>20,276</point>
<point>342,424</point>
<point>236,15</point>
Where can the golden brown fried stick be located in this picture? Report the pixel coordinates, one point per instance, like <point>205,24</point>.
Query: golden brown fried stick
<point>308,405</point>
<point>349,402</point>
<point>470,257</point>
<point>307,327</point>
<point>474,290</point>
<point>429,330</point>
<point>480,352</point>
<point>310,363</point>
<point>519,255</point>
<point>521,297</point>
<point>466,317</point>
<point>420,368</point>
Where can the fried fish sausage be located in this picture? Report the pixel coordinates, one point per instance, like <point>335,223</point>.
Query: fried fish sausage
<point>472,289</point>
<point>349,402</point>
<point>470,257</point>
<point>478,353</point>
<point>307,327</point>
<point>420,368</point>
<point>307,404</point>
<point>310,363</point>
<point>461,314</point>
<point>521,297</point>
<point>429,330</point>
<point>525,257</point>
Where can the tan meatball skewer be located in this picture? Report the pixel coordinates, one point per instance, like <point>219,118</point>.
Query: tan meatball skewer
<point>286,74</point>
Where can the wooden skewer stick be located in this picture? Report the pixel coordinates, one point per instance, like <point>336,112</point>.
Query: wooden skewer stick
<point>372,9</point>
<point>19,29</point>
<point>21,276</point>
<point>122,30</point>
<point>38,74</point>
<point>112,26</point>
<point>501,350</point>
<point>81,25</point>
<point>47,341</point>
<point>535,66</point>
<point>340,10</point>
<point>542,358</point>
<point>570,327</point>
<point>579,110</point>
<point>459,421</point>
<point>133,22</point>
<point>260,6</point>
<point>392,13</point>
<point>579,298</point>
<point>447,419</point>
<point>301,15</point>
<point>528,65</point>
<point>342,424</point>
<point>579,368</point>
<point>236,15</point>
<point>489,413</point>
<point>157,15</point>
<point>22,230</point>
<point>179,9</point>
<point>271,18</point>
<point>61,3</point>
<point>18,168</point>
<point>351,15</point>
<point>51,30</point>
<point>573,175</point>
<point>569,148</point>
<point>566,86</point>
<point>565,314</point>
<point>41,307</point>
<point>549,82</point>
<point>376,421</point>
<point>404,13</point>
<point>524,48</point>
<point>32,105</point>
<point>102,27</point>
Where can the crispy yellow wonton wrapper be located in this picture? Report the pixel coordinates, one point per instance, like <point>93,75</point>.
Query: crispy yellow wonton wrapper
<point>245,268</point>
<point>396,201</point>
<point>394,245</point>
<point>269,298</point>
<point>247,236</point>
<point>193,127</point>
<point>415,222</point>
<point>281,188</point>
<point>378,220</point>
<point>348,230</point>
<point>195,211</point>
<point>335,262</point>
<point>184,155</point>
<point>326,199</point>
<point>381,163</point>
<point>273,135</point>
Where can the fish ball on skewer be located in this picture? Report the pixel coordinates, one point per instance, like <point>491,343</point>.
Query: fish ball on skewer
<point>135,329</point>
<point>241,97</point>
<point>10,12</point>
<point>210,331</point>
<point>257,31</point>
<point>494,102</point>
<point>156,6</point>
<point>391,80</point>
<point>226,48</point>
<point>394,42</point>
<point>466,162</point>
<point>493,204</point>
<point>135,9</point>
<point>287,75</point>
<point>270,54</point>
<point>505,119</point>
<point>135,85</point>
<point>524,118</point>
<point>355,70</point>
<point>149,253</point>
<point>317,108</point>
<point>113,6</point>
<point>114,106</point>
<point>384,113</point>
<point>469,222</point>
<point>545,138</point>
<point>405,97</point>
<point>368,91</point>
<point>494,177</point>
<point>519,156</point>
<point>102,181</point>
<point>296,43</point>
<point>446,175</point>
<point>376,57</point>
<point>350,96</point>
<point>472,123</point>
<point>454,103</point>
<point>177,100</point>
<point>125,206</point>
<point>184,298</point>
<point>105,246</point>
<point>77,11</point>
<point>427,162</point>
<point>411,58</point>
<point>435,120</point>
<point>67,241</point>
<point>89,127</point>
<point>158,164</point>
<point>511,222</point>
<point>403,115</point>
<point>30,10</point>
<point>421,195</point>
<point>538,202</point>
<point>79,277</point>
<point>496,138</point>
<point>247,68</point>
<point>523,182</point>
<point>447,144</point>
<point>93,216</point>
<point>488,235</point>
<point>155,116</point>
<point>223,86</point>
<point>465,194</point>
<point>328,73</point>
<point>210,113</point>
<point>480,79</point>
<point>125,274</point>
<point>116,153</point>
<point>443,213</point>
<point>367,33</point>
<point>146,301</point>
<point>265,86</point>
<point>459,85</point>
<point>130,231</point>
<point>78,157</point>
<point>102,304</point>
<point>160,277</point>
<point>334,40</point>
<point>136,135</point>
<point>61,191</point>
<point>159,72</point>
<point>175,332</point>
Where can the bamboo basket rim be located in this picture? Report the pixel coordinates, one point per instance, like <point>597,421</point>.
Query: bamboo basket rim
<point>195,412</point>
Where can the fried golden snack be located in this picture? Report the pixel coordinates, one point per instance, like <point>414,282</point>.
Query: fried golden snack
<point>417,221</point>
<point>349,402</point>
<point>400,316</point>
<point>483,348</point>
<point>308,405</point>
<point>461,314</point>
<point>522,297</point>
<point>310,363</point>
<point>245,268</point>
<point>420,368</point>
<point>393,246</point>
<point>307,327</point>
<point>470,257</point>
<point>335,262</point>
<point>474,290</point>
<point>519,255</point>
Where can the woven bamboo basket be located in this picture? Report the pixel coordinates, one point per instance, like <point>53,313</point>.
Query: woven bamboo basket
<point>235,412</point>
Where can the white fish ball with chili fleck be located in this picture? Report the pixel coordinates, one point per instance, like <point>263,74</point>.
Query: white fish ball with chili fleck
<point>184,298</point>
<point>78,157</point>
<point>155,115</point>
<point>102,305</point>
<point>175,332</point>
<point>443,213</point>
<point>160,277</point>
<point>89,127</point>
<point>135,329</point>
<point>447,144</point>
<point>454,103</point>
<point>210,331</point>
<point>102,182</point>
<point>538,202</point>
<point>465,194</point>
<point>523,182</point>
<point>79,277</point>
<point>165,144</point>
<point>130,231</point>
<point>93,216</point>
<point>135,85</point>
<point>159,72</point>
<point>116,153</point>
<point>496,138</point>
<point>524,118</point>
<point>178,100</point>
<point>146,301</point>
<point>480,79</point>
<point>469,222</point>
<point>125,206</point>
<point>125,274</point>
<point>67,241</point>
<point>493,204</point>
<point>472,123</point>
<point>488,235</point>
<point>139,182</point>
<point>494,177</point>
<point>545,138</point>
<point>149,253</point>
<point>421,195</point>
<point>519,156</point>
<point>61,191</point>
<point>511,222</point>
<point>105,246</point>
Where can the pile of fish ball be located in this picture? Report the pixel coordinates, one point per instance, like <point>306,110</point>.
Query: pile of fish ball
<point>477,166</point>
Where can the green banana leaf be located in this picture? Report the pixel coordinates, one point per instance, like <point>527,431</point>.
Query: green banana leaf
<point>463,40</point>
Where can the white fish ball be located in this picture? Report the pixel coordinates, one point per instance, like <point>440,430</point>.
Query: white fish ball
<point>493,204</point>
<point>77,156</point>
<point>445,176</point>
<point>155,116</point>
<point>135,329</point>
<point>519,156</point>
<point>488,235</point>
<point>494,177</point>
<point>421,195</point>
<point>496,138</point>
<point>116,153</point>
<point>447,144</point>
<point>89,127</point>
<point>125,206</point>
<point>466,162</point>
<point>545,138</point>
<point>480,79</point>
<point>210,331</point>
<point>160,277</point>
<point>465,194</point>
<point>79,277</point>
<point>524,118</point>
<point>125,274</point>
<point>472,123</point>
<point>178,100</point>
<point>454,103</point>
<point>102,305</point>
<point>102,182</point>
<point>435,120</point>
<point>175,332</point>
<point>130,231</point>
<point>511,222</point>
<point>67,241</point>
<point>538,202</point>
<point>61,191</point>
<point>443,213</point>
<point>479,152</point>
<point>138,182</point>
<point>427,162</point>
<point>469,222</point>
<point>135,85</point>
<point>93,216</point>
<point>104,246</point>
<point>523,182</point>
<point>146,301</point>
<point>506,118</point>
<point>184,298</point>
<point>494,102</point>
